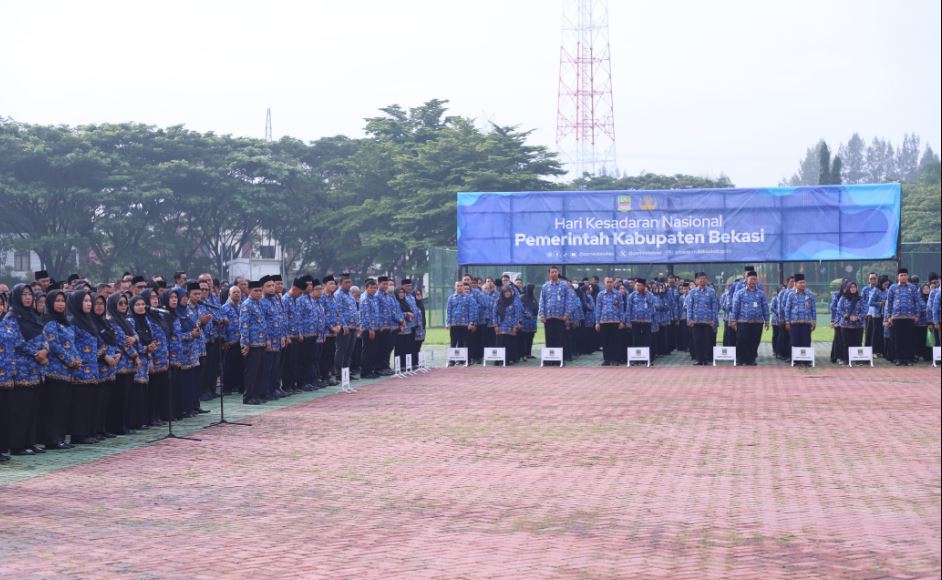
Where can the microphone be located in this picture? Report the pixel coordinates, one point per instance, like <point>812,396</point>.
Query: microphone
<point>160,310</point>
<point>208,305</point>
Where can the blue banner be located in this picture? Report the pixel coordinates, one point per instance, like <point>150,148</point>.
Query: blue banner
<point>826,222</point>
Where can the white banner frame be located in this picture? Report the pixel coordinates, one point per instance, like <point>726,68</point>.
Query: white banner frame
<point>936,355</point>
<point>495,354</point>
<point>806,357</point>
<point>724,354</point>
<point>550,354</point>
<point>859,353</point>
<point>641,353</point>
<point>456,354</point>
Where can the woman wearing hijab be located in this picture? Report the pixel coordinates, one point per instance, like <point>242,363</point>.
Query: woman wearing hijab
<point>419,329</point>
<point>7,371</point>
<point>85,381</point>
<point>530,309</point>
<point>404,339</point>
<point>875,311</point>
<point>838,351</point>
<point>107,366</point>
<point>852,313</point>
<point>63,360</point>
<point>139,412</point>
<point>170,301</point>
<point>125,394</point>
<point>31,354</point>
<point>158,368</point>
<point>921,326</point>
<point>506,316</point>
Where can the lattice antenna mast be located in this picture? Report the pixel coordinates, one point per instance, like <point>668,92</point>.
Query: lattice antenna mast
<point>585,112</point>
<point>268,136</point>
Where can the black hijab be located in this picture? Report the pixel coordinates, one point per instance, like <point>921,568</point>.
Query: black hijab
<point>51,314</point>
<point>156,317</point>
<point>403,303</point>
<point>171,312</point>
<point>79,318</point>
<point>116,317</point>
<point>141,325</point>
<point>105,332</point>
<point>27,318</point>
<point>529,300</point>
<point>853,298</point>
<point>504,302</point>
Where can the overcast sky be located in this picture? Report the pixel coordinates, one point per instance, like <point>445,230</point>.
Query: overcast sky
<point>701,87</point>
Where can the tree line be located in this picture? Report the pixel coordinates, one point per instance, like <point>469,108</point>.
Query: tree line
<point>148,199</point>
<point>879,162</point>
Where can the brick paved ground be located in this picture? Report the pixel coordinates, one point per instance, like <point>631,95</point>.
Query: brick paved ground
<point>520,472</point>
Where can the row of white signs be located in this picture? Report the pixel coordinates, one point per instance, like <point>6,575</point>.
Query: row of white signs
<point>864,354</point>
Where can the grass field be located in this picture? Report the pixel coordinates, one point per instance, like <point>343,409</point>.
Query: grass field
<point>823,333</point>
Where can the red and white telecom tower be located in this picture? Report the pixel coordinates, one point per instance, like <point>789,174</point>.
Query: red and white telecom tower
<point>585,116</point>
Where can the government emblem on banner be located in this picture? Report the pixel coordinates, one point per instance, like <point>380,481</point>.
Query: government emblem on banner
<point>624,203</point>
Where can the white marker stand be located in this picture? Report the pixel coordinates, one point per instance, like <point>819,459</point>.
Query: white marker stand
<point>457,355</point>
<point>423,367</point>
<point>936,355</point>
<point>724,354</point>
<point>803,354</point>
<point>639,354</point>
<point>345,381</point>
<point>495,355</point>
<point>552,354</point>
<point>398,368</point>
<point>410,370</point>
<point>859,354</point>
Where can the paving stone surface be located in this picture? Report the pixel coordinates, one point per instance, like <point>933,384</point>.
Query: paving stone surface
<point>582,472</point>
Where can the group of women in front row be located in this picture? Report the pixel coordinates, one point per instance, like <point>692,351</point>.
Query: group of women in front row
<point>90,368</point>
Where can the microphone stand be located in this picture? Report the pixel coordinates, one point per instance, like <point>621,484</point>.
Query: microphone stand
<point>222,400</point>
<point>170,434</point>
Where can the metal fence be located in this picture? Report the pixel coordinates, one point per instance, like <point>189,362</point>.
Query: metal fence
<point>822,277</point>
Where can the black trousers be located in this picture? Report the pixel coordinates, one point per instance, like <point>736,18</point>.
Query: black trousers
<point>232,368</point>
<point>528,343</point>
<point>611,345</point>
<point>641,336</point>
<point>389,344</point>
<point>875,334</point>
<point>55,397</point>
<point>158,394</point>
<point>459,336</point>
<point>252,365</point>
<point>138,404</point>
<point>343,354</point>
<point>102,398</point>
<point>729,335</point>
<point>82,410</point>
<point>555,329</point>
<point>118,404</point>
<point>507,342</point>
<point>800,335</point>
<point>20,427</point>
<point>369,355</point>
<point>404,347</point>
<point>476,343</point>
<point>289,367</point>
<point>852,337</point>
<point>328,350</point>
<point>903,339</point>
<point>702,346</point>
<point>356,361</point>
<point>306,352</point>
<point>748,336</point>
<point>266,385</point>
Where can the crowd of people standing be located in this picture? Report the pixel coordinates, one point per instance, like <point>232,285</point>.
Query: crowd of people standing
<point>82,362</point>
<point>669,314</point>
